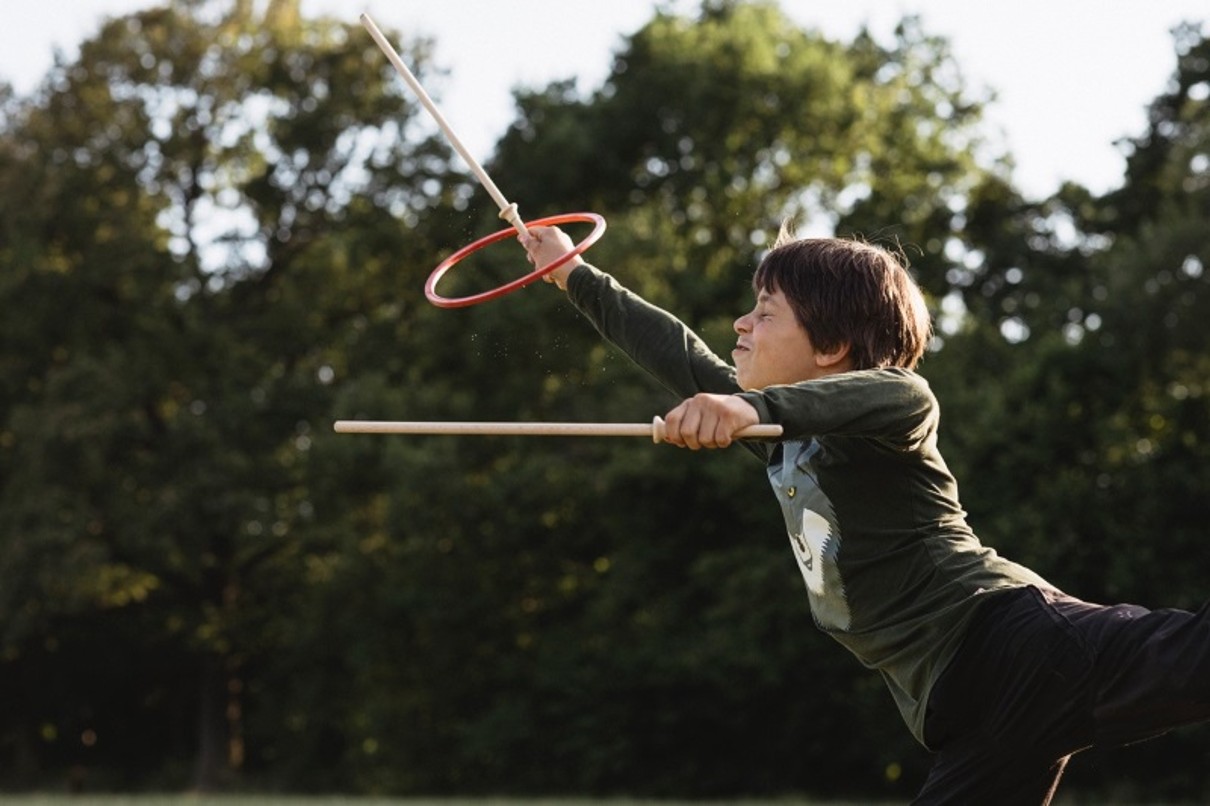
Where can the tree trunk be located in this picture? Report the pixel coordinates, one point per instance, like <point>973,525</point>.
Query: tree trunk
<point>210,772</point>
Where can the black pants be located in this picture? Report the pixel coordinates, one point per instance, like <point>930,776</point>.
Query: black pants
<point>1042,675</point>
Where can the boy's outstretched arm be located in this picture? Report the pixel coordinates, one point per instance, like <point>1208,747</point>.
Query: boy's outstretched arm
<point>664,347</point>
<point>708,421</point>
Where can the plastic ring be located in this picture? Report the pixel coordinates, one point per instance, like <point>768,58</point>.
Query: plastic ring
<point>430,287</point>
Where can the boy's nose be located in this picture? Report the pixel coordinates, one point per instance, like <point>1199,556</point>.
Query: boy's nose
<point>741,324</point>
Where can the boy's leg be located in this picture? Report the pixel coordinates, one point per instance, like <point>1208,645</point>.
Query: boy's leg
<point>1012,706</point>
<point>986,774</point>
<point>1152,669</point>
<point>1043,675</point>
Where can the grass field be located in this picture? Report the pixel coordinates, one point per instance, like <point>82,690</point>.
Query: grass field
<point>334,800</point>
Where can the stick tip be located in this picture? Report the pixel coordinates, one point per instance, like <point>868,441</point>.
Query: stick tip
<point>657,430</point>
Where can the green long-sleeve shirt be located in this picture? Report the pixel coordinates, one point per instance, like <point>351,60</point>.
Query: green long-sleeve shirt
<point>893,572</point>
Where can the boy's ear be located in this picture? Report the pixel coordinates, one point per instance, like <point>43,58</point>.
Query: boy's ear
<point>833,359</point>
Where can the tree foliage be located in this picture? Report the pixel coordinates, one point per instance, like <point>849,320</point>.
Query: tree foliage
<point>171,203</point>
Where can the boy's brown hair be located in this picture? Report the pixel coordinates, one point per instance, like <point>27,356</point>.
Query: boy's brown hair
<point>850,292</point>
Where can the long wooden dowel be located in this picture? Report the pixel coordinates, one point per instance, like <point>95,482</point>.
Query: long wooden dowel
<point>654,429</point>
<point>508,210</point>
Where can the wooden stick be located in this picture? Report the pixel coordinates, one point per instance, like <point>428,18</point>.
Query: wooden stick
<point>508,210</point>
<point>654,429</point>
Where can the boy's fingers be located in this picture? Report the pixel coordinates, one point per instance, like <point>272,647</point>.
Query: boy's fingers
<point>715,433</point>
<point>672,427</point>
<point>722,435</point>
<point>691,429</point>
<point>703,421</point>
<point>531,240</point>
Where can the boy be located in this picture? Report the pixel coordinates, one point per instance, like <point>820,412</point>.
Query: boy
<point>997,672</point>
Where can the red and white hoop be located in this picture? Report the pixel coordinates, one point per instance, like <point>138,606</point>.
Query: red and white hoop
<point>430,288</point>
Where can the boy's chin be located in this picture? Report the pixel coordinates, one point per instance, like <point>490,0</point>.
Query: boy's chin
<point>747,382</point>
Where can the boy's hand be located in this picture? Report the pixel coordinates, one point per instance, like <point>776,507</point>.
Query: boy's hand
<point>708,421</point>
<point>547,244</point>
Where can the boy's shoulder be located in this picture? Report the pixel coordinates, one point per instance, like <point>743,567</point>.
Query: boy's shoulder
<point>890,387</point>
<point>898,376</point>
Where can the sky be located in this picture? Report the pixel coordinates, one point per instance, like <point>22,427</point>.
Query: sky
<point>1071,77</point>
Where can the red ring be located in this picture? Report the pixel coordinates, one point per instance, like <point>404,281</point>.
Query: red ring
<point>430,287</point>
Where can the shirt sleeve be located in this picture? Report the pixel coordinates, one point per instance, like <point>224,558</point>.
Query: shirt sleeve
<point>894,406</point>
<point>653,338</point>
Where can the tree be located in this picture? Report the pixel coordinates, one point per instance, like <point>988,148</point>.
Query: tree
<point>183,209</point>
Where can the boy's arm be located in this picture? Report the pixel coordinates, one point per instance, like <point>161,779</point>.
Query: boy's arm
<point>653,338</point>
<point>711,412</point>
<point>892,405</point>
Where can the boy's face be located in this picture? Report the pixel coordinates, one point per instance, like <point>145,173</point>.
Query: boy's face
<point>773,348</point>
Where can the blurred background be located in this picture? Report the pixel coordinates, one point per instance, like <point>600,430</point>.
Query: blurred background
<point>216,219</point>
